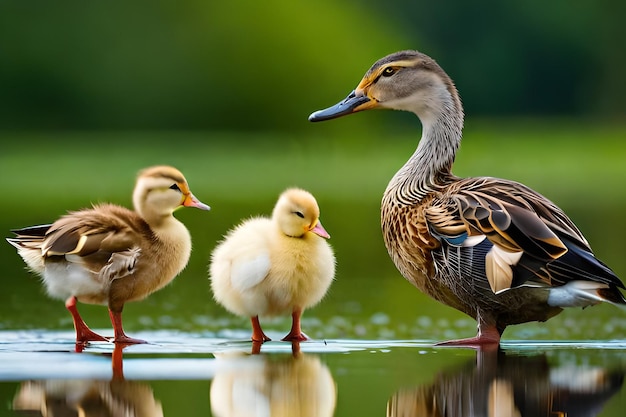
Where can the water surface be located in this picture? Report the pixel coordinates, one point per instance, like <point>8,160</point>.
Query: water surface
<point>195,374</point>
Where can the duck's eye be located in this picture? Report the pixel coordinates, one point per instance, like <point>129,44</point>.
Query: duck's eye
<point>299,214</point>
<point>388,72</point>
<point>174,187</point>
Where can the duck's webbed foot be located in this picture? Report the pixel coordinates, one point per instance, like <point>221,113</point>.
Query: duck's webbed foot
<point>488,337</point>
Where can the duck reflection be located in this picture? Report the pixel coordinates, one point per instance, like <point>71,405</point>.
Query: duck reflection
<point>88,398</point>
<point>273,385</point>
<point>508,385</point>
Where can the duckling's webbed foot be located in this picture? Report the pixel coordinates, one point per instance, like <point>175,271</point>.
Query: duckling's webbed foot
<point>120,336</point>
<point>83,333</point>
<point>295,335</point>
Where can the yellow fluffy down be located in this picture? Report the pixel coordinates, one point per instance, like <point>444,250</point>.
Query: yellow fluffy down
<point>258,270</point>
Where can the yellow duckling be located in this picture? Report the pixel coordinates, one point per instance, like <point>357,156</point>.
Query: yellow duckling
<point>269,267</point>
<point>111,255</point>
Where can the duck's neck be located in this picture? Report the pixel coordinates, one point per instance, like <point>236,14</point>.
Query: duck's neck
<point>430,166</point>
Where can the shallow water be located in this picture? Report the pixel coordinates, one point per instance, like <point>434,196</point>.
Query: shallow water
<point>194,374</point>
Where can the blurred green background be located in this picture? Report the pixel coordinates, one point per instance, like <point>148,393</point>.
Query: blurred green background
<point>90,93</point>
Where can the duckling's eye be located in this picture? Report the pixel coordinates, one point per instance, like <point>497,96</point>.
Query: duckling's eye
<point>299,214</point>
<point>388,72</point>
<point>174,187</point>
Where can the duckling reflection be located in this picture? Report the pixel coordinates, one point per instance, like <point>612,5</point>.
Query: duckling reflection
<point>273,385</point>
<point>499,385</point>
<point>88,398</point>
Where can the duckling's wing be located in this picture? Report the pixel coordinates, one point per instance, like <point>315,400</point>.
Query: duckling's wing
<point>245,273</point>
<point>103,240</point>
<point>121,264</point>
<point>29,237</point>
<point>523,238</point>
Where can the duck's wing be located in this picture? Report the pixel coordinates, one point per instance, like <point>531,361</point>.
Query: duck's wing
<point>523,238</point>
<point>104,239</point>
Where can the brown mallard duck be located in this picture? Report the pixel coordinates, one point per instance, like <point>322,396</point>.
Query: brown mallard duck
<point>273,266</point>
<point>491,248</point>
<point>110,254</point>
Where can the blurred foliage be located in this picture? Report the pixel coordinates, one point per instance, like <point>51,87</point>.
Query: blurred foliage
<point>528,57</point>
<point>191,64</point>
<point>266,65</point>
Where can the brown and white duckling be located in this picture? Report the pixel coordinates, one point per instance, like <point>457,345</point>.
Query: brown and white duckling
<point>269,267</point>
<point>111,255</point>
<point>489,247</point>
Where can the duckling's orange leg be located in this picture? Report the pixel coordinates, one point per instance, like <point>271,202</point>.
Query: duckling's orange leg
<point>83,333</point>
<point>257,331</point>
<point>295,335</point>
<point>120,336</point>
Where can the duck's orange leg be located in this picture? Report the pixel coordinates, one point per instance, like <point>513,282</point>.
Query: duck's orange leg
<point>120,336</point>
<point>83,333</point>
<point>257,332</point>
<point>295,335</point>
<point>488,337</point>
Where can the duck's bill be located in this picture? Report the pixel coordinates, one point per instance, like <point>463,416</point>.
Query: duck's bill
<point>191,201</point>
<point>351,104</point>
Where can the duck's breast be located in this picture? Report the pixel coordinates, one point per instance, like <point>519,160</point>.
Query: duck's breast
<point>408,241</point>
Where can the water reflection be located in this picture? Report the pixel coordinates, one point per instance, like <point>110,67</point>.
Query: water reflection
<point>510,385</point>
<point>88,398</point>
<point>274,385</point>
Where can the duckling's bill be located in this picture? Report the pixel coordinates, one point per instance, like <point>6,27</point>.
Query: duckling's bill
<point>320,231</point>
<point>191,201</point>
<point>355,102</point>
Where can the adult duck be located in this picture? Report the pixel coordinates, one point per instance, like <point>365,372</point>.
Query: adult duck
<point>491,248</point>
<point>110,254</point>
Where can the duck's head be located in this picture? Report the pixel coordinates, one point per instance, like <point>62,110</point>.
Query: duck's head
<point>297,214</point>
<point>405,80</point>
<point>160,190</point>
